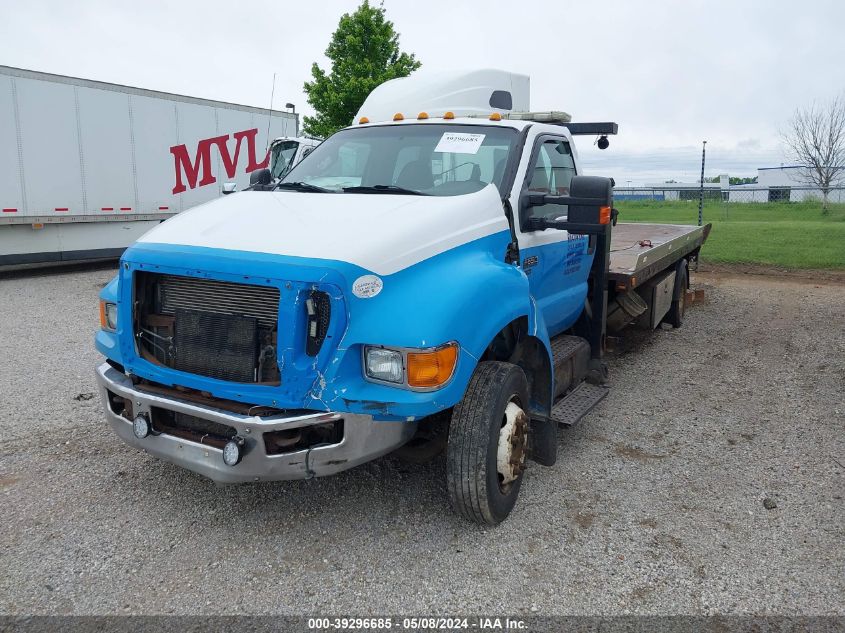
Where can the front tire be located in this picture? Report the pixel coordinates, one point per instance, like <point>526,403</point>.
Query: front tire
<point>486,451</point>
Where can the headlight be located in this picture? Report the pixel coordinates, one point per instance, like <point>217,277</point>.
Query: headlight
<point>422,369</point>
<point>384,364</point>
<point>108,315</point>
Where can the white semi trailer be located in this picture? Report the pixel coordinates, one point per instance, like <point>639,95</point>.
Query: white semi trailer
<point>87,167</point>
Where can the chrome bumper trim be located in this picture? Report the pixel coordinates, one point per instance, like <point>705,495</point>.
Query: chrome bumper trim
<point>364,439</point>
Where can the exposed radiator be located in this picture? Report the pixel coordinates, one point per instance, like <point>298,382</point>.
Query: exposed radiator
<point>212,328</point>
<point>222,297</point>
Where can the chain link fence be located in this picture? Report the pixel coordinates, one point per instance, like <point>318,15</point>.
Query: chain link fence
<point>739,194</point>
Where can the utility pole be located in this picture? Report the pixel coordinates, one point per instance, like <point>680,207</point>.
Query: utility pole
<point>701,190</point>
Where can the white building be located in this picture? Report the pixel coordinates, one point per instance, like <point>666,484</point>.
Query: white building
<point>788,184</point>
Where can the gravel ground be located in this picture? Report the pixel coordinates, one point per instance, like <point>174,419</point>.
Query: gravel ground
<point>709,481</point>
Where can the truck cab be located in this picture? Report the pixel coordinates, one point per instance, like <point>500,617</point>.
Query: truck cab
<point>286,151</point>
<point>427,276</point>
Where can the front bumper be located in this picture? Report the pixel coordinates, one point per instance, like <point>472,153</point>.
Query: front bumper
<point>364,439</point>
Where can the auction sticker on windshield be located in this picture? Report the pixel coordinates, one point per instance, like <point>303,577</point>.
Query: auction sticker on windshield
<point>460,143</point>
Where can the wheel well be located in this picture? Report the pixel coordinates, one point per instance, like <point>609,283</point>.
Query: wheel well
<point>514,344</point>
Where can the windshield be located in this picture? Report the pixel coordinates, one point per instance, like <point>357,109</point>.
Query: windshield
<point>282,156</point>
<point>433,159</point>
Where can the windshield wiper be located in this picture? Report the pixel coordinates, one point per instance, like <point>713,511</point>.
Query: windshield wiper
<point>384,189</point>
<point>302,186</point>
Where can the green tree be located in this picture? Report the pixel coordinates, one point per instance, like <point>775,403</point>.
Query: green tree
<point>364,52</point>
<point>743,181</point>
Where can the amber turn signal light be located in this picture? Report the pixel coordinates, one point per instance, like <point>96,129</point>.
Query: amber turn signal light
<point>604,215</point>
<point>432,369</point>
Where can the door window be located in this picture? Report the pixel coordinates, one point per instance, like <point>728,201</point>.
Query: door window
<point>551,174</point>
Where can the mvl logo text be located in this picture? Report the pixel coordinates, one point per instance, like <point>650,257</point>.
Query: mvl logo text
<point>198,173</point>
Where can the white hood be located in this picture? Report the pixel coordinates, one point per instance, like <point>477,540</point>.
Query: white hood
<point>382,233</point>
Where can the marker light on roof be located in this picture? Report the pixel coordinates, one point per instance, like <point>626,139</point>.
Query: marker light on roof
<point>422,116</point>
<point>449,115</point>
<point>495,117</point>
<point>398,117</point>
<point>363,120</point>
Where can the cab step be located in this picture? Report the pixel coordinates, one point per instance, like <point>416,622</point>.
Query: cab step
<point>577,403</point>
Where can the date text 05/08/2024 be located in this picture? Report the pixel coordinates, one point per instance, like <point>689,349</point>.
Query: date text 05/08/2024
<point>417,624</point>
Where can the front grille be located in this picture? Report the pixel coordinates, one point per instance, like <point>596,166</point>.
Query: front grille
<point>212,328</point>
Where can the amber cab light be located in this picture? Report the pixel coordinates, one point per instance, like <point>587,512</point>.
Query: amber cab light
<point>432,369</point>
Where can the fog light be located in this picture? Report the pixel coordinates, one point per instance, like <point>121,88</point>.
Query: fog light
<point>233,451</point>
<point>141,426</point>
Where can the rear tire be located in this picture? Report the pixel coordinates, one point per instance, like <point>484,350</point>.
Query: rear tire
<point>675,316</point>
<point>478,491</point>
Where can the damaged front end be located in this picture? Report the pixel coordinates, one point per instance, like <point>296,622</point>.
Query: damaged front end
<point>266,338</point>
<point>192,431</point>
<point>207,360</point>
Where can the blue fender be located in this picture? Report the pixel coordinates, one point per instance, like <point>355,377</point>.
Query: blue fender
<point>467,295</point>
<point>107,342</point>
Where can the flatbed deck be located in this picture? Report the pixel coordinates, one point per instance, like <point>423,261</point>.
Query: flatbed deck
<point>640,251</point>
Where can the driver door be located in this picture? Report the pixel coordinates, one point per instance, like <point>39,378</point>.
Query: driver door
<point>556,263</point>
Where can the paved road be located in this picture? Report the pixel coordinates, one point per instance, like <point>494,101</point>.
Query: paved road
<point>655,506</point>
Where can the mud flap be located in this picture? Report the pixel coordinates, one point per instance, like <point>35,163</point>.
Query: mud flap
<point>542,442</point>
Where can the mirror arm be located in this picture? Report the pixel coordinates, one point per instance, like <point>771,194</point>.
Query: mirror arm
<point>539,199</point>
<point>576,228</point>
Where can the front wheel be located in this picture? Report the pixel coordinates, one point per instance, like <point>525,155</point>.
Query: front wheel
<point>488,438</point>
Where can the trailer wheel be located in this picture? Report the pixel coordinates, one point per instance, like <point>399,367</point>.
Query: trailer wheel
<point>485,455</point>
<point>675,316</point>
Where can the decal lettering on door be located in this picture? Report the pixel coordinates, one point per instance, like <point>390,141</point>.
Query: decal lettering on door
<point>198,173</point>
<point>575,253</point>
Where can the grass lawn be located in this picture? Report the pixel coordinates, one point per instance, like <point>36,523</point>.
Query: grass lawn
<point>789,235</point>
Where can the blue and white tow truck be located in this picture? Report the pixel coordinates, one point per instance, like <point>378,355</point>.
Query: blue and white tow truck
<point>438,275</point>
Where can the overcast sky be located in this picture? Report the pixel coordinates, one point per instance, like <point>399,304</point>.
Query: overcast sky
<point>670,73</point>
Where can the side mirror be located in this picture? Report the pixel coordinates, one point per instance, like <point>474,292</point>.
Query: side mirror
<point>594,188</point>
<point>229,187</point>
<point>590,202</point>
<point>260,177</point>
